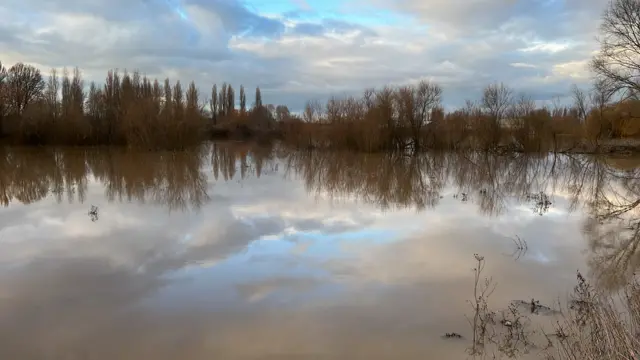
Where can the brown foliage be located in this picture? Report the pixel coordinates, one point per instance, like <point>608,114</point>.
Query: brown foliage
<point>129,109</point>
<point>410,118</point>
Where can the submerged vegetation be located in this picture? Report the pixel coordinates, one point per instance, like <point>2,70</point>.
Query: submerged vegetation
<point>593,325</point>
<point>131,109</point>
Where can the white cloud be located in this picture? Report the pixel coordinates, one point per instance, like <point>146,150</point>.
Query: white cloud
<point>548,47</point>
<point>523,65</point>
<point>578,70</point>
<point>461,44</point>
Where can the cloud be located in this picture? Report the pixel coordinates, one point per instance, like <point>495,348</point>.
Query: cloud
<point>308,51</point>
<point>523,65</point>
<point>238,20</point>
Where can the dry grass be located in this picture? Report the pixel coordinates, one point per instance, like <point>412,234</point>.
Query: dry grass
<point>599,325</point>
<point>595,325</point>
<point>506,333</point>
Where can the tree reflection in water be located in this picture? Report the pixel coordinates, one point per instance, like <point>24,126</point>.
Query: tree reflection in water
<point>607,189</point>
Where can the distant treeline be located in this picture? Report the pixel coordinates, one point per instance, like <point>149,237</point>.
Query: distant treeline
<point>131,109</point>
<point>412,118</point>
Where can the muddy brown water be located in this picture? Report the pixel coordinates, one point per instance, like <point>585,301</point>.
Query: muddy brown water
<point>234,251</point>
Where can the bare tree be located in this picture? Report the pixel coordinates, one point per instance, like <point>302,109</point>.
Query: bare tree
<point>3,95</point>
<point>557,107</point>
<point>496,99</point>
<point>312,111</point>
<point>51,95</point>
<point>258,103</point>
<point>77,91</point>
<point>214,104</point>
<point>178,102</point>
<point>94,100</point>
<point>243,101</point>
<point>427,97</point>
<point>24,84</point>
<point>405,107</point>
<point>271,111</point>
<point>368,98</point>
<point>72,93</point>
<point>231,101</point>
<point>282,113</point>
<point>602,94</point>
<point>522,107</point>
<point>600,98</point>
<point>581,102</point>
<point>192,106</point>
<point>66,92</point>
<point>471,107</point>
<point>168,100</point>
<point>385,113</point>
<point>3,74</point>
<point>222,100</point>
<point>619,57</point>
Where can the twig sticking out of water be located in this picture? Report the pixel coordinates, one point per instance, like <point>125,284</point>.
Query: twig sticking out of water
<point>482,318</point>
<point>510,336</point>
<point>521,247</point>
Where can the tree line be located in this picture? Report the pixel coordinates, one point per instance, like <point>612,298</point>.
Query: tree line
<point>128,109</point>
<point>131,109</point>
<point>134,110</point>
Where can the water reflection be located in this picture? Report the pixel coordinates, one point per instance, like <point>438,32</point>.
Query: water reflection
<point>613,227</point>
<point>172,179</point>
<point>419,181</point>
<point>607,189</point>
<point>266,252</point>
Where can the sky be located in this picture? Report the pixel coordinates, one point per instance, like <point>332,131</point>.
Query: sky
<point>299,50</point>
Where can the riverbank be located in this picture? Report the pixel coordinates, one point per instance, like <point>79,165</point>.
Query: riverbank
<point>174,141</point>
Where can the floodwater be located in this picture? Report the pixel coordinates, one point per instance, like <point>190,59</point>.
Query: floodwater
<point>234,251</point>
